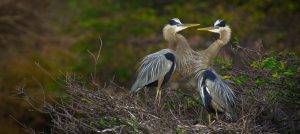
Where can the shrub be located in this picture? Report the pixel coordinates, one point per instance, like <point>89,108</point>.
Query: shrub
<point>267,89</point>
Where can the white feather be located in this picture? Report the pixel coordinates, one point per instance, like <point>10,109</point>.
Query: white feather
<point>217,22</point>
<point>177,20</point>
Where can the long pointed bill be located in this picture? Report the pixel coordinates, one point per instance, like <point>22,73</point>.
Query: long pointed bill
<point>180,27</point>
<point>184,26</point>
<point>207,28</point>
<point>190,25</point>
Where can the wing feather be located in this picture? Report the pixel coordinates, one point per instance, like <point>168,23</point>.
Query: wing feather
<point>152,67</point>
<point>220,92</point>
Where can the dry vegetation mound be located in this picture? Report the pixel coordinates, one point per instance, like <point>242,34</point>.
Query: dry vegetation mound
<point>266,103</point>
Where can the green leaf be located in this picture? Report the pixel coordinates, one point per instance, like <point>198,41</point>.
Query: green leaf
<point>226,77</point>
<point>255,64</point>
<point>275,76</point>
<point>268,63</point>
<point>288,73</point>
<point>102,122</point>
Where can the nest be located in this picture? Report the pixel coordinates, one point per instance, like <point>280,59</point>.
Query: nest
<point>91,108</point>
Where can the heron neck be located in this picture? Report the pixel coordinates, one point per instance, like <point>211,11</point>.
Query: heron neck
<point>182,45</point>
<point>169,34</point>
<point>184,53</point>
<point>212,51</point>
<point>178,43</point>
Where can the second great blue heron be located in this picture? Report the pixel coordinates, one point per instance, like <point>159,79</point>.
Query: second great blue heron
<point>157,68</point>
<point>217,96</point>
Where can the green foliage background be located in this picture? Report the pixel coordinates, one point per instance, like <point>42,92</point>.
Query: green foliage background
<point>130,30</point>
<point>62,33</point>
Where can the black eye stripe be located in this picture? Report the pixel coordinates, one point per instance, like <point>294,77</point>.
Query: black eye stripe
<point>222,24</point>
<point>173,22</point>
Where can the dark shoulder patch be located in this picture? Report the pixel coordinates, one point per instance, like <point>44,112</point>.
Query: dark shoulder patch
<point>207,74</point>
<point>222,23</point>
<point>170,56</point>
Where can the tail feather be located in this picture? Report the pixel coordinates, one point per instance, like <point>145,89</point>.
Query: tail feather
<point>231,114</point>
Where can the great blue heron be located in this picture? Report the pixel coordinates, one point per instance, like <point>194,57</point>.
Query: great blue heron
<point>216,95</point>
<point>157,68</point>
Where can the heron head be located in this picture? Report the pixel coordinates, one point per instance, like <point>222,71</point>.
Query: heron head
<point>216,28</point>
<point>178,26</point>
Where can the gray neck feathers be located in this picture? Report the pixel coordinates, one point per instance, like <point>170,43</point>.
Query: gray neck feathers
<point>177,42</point>
<point>184,54</point>
<point>169,34</point>
<point>225,35</point>
<point>205,57</point>
<point>212,51</point>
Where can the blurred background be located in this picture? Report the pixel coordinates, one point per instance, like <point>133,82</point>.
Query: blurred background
<point>41,41</point>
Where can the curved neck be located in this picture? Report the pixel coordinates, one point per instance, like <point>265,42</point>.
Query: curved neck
<point>169,34</point>
<point>178,43</point>
<point>212,51</point>
<point>184,54</point>
<point>182,46</point>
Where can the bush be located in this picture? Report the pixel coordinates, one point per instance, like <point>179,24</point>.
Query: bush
<point>267,89</point>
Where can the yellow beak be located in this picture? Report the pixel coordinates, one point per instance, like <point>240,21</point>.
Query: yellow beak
<point>191,25</point>
<point>207,28</point>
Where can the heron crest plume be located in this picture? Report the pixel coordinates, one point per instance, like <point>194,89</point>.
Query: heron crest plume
<point>174,21</point>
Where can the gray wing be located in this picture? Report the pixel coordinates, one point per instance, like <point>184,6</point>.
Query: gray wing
<point>152,67</point>
<point>220,93</point>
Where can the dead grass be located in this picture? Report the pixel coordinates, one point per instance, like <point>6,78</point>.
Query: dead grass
<point>90,107</point>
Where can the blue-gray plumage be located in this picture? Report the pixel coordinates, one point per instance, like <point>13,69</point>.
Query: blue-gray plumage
<point>216,95</point>
<point>170,57</point>
<point>155,66</point>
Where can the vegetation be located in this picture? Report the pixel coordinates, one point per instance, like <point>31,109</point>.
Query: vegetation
<point>41,42</point>
<point>267,91</point>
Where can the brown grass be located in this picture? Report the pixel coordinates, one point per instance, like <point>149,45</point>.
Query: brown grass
<point>89,107</point>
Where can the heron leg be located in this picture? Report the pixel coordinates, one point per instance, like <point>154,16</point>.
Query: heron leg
<point>159,96</point>
<point>209,118</point>
<point>158,92</point>
<point>217,115</point>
